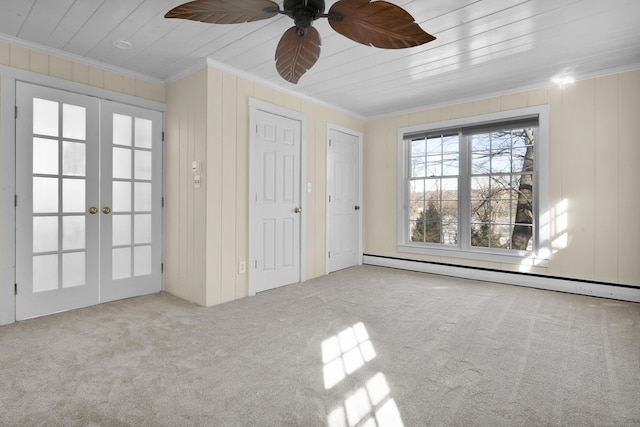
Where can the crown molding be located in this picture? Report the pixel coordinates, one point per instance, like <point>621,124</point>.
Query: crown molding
<point>77,58</point>
<point>226,68</point>
<point>537,85</point>
<point>187,71</point>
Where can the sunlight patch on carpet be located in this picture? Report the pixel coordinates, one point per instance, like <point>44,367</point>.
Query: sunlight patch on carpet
<point>345,353</point>
<point>370,405</point>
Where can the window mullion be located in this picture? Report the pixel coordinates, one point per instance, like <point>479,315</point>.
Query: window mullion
<point>404,191</point>
<point>464,195</point>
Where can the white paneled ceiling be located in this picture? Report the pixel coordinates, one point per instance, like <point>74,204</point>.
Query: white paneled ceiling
<point>483,46</point>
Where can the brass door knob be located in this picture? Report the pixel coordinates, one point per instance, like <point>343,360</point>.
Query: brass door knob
<point>93,210</point>
<point>297,210</point>
<point>106,210</point>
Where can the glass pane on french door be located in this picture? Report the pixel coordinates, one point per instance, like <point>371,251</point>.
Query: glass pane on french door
<point>57,151</point>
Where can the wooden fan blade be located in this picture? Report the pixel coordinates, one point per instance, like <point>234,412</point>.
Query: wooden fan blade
<point>225,11</point>
<point>297,54</point>
<point>378,23</point>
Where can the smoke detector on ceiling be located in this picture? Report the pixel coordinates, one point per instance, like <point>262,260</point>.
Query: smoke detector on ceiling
<point>122,44</point>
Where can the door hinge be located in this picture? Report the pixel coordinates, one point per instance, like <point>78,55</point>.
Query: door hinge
<point>15,200</point>
<point>329,143</point>
<point>15,289</point>
<point>162,136</point>
<point>255,263</point>
<point>163,202</point>
<point>329,254</point>
<point>15,113</point>
<point>162,267</point>
<point>329,198</point>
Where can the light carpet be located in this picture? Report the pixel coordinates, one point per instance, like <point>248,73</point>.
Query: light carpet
<point>363,346</point>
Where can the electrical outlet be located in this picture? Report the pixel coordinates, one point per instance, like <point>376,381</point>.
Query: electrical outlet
<point>242,267</point>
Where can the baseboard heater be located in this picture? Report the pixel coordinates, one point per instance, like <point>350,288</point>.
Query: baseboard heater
<point>574,286</point>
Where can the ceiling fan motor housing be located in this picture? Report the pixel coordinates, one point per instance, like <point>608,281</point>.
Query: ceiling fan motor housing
<point>304,12</point>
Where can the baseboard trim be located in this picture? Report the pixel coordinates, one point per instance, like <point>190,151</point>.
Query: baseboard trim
<point>573,286</point>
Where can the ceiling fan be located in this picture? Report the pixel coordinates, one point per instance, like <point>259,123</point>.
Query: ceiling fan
<point>372,23</point>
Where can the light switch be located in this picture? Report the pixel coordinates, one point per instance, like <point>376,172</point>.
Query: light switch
<point>196,166</point>
<point>196,181</point>
<point>308,187</point>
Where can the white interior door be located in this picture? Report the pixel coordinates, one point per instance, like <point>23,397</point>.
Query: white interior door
<point>343,211</point>
<point>88,185</point>
<point>131,202</point>
<point>276,205</point>
<point>57,181</point>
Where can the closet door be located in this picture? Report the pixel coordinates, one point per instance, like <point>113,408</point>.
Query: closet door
<point>276,206</point>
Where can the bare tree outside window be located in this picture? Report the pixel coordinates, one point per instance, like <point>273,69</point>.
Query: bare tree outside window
<point>523,229</point>
<point>502,189</point>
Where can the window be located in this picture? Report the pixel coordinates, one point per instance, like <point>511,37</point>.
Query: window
<point>473,187</point>
<point>502,189</point>
<point>433,188</point>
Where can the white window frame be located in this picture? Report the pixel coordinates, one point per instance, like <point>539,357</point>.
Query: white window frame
<point>541,251</point>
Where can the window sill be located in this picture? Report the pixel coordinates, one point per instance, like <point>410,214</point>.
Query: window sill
<point>518,258</point>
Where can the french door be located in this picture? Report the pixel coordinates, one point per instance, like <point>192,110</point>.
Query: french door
<point>89,201</point>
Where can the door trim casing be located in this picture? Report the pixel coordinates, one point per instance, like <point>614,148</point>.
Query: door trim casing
<point>332,127</point>
<point>256,105</point>
<point>7,194</point>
